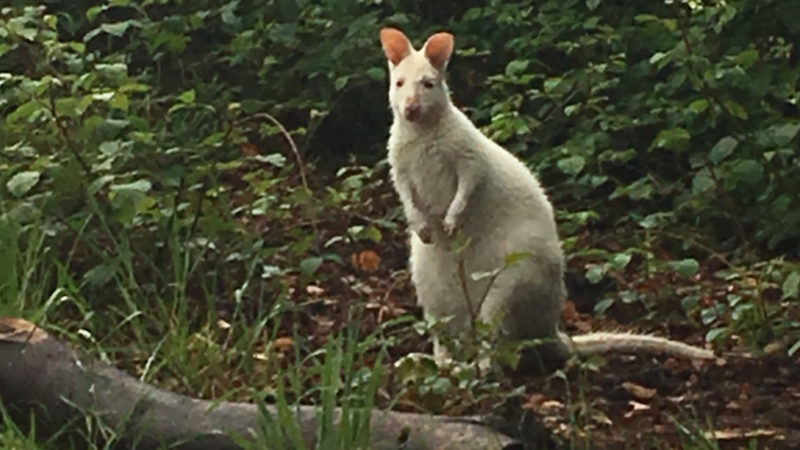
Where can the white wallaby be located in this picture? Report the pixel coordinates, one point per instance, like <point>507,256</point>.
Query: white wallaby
<point>450,177</point>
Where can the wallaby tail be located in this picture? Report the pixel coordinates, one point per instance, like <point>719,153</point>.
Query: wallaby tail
<point>601,342</point>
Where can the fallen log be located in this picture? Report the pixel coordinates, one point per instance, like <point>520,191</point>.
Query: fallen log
<point>45,378</point>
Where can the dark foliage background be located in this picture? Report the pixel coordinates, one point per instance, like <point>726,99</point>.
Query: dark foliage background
<point>149,170</point>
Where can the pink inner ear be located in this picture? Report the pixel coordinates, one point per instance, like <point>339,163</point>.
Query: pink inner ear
<point>395,45</point>
<point>439,48</point>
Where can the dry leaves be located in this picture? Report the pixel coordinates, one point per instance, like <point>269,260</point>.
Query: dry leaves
<point>367,260</point>
<point>639,391</point>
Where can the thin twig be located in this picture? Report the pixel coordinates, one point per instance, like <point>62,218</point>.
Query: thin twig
<point>285,132</point>
<point>65,135</point>
<point>462,276</point>
<point>722,258</point>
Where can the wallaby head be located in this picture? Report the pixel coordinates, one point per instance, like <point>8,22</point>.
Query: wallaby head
<point>417,89</point>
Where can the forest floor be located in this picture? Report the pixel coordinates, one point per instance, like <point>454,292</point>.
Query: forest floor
<point>626,401</point>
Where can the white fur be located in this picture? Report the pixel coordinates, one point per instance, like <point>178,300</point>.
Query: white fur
<point>450,176</point>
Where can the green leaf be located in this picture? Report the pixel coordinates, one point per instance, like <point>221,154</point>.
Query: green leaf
<point>690,302</point>
<point>592,4</point>
<point>118,29</point>
<point>735,109</point>
<point>644,18</point>
<point>698,106</point>
<point>784,133</point>
<point>101,275</point>
<point>513,258</point>
<point>141,186</point>
<point>187,96</point>
<point>341,82</point>
<point>686,267</point>
<point>22,182</point>
<point>92,12</point>
<point>620,261</point>
<point>791,285</point>
<point>656,220</point>
<point>723,149</point>
<point>715,333</point>
<point>672,138</point>
<point>602,306</point>
<point>98,184</point>
<point>310,265</point>
<point>596,273</point>
<point>116,72</point>
<point>793,349</point>
<point>747,171</point>
<point>702,182</point>
<point>120,101</point>
<point>374,234</point>
<point>551,84</point>
<point>572,165</point>
<point>275,159</point>
<point>376,73</point>
<point>517,67</point>
<point>25,111</point>
<point>747,58</point>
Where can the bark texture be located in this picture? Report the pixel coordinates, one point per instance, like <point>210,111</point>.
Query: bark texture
<point>40,374</point>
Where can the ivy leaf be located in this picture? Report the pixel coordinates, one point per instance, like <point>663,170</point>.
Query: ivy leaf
<point>592,4</point>
<point>686,267</point>
<point>572,165</point>
<point>722,149</point>
<point>702,182</point>
<point>376,73</point>
<point>747,171</point>
<point>517,67</point>
<point>22,182</point>
<point>596,273</point>
<point>620,261</point>
<point>715,333</point>
<point>603,305</point>
<point>784,133</point>
<point>310,265</point>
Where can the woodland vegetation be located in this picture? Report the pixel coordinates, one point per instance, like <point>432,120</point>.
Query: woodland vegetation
<point>196,192</point>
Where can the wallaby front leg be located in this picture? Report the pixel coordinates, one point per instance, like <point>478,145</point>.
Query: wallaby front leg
<point>418,217</point>
<point>468,177</point>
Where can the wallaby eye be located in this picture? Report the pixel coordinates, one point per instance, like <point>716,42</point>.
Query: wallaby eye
<point>427,83</point>
<point>399,83</point>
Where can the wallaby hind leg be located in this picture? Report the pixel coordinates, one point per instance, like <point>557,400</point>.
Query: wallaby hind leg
<point>526,310</point>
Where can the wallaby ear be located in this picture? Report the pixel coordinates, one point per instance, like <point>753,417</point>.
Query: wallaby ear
<point>395,44</point>
<point>439,48</point>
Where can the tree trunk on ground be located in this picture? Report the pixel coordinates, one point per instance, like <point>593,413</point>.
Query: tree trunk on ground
<point>43,375</point>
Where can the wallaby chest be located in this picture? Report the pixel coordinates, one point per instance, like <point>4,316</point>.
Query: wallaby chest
<point>428,170</point>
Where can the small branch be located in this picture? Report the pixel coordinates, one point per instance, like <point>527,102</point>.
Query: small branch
<point>699,245</point>
<point>65,135</point>
<point>462,276</point>
<point>285,132</point>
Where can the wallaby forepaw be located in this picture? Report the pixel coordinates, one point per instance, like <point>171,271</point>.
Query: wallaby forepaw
<point>449,226</point>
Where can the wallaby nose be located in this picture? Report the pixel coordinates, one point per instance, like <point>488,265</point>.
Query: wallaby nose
<point>413,109</point>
